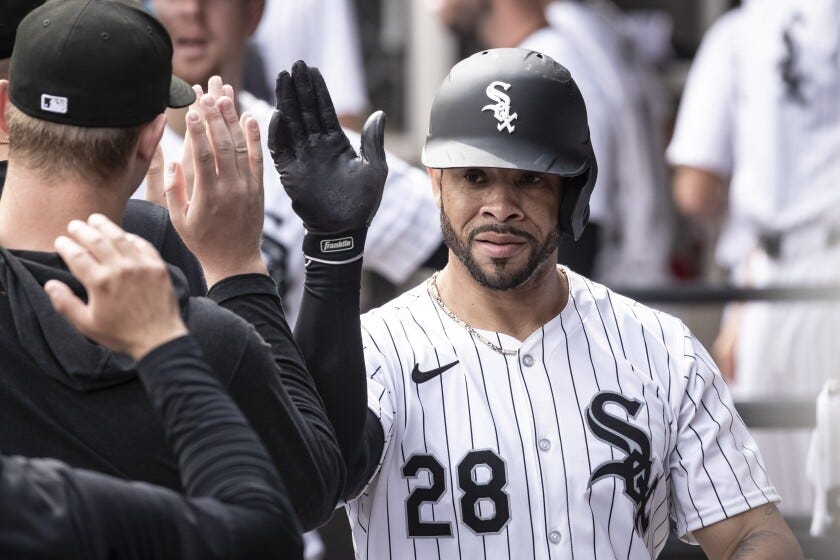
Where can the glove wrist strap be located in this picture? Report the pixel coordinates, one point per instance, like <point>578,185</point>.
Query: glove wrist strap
<point>335,248</point>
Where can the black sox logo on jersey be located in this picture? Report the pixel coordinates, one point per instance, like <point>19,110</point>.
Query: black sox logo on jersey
<point>635,468</point>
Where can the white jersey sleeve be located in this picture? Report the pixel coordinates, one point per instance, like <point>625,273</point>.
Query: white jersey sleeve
<point>716,468</point>
<point>704,131</point>
<point>380,394</point>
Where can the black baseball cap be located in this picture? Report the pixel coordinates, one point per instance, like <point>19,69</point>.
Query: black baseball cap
<point>11,13</point>
<point>96,63</point>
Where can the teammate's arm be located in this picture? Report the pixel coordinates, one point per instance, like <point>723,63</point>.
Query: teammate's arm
<point>757,534</point>
<point>220,220</point>
<point>336,193</point>
<point>700,193</point>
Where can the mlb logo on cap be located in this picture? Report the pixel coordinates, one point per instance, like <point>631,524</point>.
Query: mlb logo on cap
<point>54,104</point>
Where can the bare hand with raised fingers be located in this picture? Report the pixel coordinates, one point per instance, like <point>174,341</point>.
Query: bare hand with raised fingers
<point>131,305</point>
<point>221,219</point>
<point>332,189</point>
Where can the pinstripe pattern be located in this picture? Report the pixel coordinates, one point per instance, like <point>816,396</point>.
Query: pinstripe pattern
<point>538,412</point>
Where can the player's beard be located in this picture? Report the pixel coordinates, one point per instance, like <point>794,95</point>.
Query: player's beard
<point>502,278</point>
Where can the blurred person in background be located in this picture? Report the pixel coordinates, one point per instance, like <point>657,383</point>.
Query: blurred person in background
<point>210,38</point>
<point>757,148</point>
<point>628,239</point>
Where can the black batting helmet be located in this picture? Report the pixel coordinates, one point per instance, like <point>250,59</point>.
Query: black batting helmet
<point>516,109</point>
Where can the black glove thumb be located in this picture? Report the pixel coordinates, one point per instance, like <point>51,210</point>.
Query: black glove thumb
<point>372,149</point>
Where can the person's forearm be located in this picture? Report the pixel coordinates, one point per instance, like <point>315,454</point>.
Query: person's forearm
<point>281,402</point>
<point>329,334</point>
<point>218,453</point>
<point>765,544</point>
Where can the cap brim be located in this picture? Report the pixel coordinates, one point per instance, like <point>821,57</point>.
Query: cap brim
<point>180,93</point>
<point>490,152</point>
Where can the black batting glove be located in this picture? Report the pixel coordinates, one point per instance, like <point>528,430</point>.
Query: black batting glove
<point>334,191</point>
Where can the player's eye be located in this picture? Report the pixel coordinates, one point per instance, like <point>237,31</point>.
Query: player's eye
<point>474,176</point>
<point>531,179</point>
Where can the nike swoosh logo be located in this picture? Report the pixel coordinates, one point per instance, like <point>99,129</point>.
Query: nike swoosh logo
<point>422,376</point>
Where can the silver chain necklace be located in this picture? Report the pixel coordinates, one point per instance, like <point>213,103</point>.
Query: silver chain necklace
<point>433,292</point>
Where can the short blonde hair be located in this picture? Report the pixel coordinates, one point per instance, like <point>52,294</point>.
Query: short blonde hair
<point>59,149</point>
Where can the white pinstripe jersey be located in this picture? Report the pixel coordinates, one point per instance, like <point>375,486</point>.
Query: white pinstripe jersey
<point>609,419</point>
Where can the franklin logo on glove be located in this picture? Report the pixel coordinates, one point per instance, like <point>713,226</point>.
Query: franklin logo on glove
<point>337,245</point>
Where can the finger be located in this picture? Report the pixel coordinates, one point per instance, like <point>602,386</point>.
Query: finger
<point>68,304</point>
<point>114,233</point>
<point>221,141</point>
<point>240,144</point>
<point>198,93</point>
<point>279,140</point>
<point>154,179</point>
<point>373,140</point>
<point>215,86</point>
<point>227,91</point>
<point>326,109</point>
<point>176,195</point>
<point>255,153</point>
<point>92,240</point>
<point>78,259</point>
<point>203,159</point>
<point>306,98</point>
<point>287,103</point>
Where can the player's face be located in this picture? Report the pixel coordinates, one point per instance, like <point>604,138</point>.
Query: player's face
<point>208,36</point>
<point>500,223</point>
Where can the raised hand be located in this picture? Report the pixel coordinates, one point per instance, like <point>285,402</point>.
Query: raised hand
<point>131,305</point>
<point>332,189</point>
<point>221,219</point>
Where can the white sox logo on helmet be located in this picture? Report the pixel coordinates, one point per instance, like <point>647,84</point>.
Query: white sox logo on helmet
<point>501,109</point>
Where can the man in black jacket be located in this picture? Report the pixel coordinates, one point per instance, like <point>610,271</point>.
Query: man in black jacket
<point>236,505</point>
<point>84,120</point>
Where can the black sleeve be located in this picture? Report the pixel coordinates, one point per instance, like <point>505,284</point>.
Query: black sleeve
<point>277,393</point>
<point>329,333</point>
<point>151,222</point>
<point>236,506</point>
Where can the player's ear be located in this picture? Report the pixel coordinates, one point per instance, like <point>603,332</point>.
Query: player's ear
<point>150,137</point>
<point>436,176</point>
<point>4,103</point>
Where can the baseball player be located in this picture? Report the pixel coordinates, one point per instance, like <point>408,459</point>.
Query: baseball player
<point>631,234</point>
<point>515,408</point>
<point>756,145</point>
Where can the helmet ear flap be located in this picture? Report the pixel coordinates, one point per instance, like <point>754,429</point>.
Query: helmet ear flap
<point>574,207</point>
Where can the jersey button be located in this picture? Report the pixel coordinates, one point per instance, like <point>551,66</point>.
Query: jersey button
<point>554,537</point>
<point>544,444</point>
<point>528,360</point>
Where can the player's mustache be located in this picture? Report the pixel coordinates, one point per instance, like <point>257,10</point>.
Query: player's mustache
<point>503,229</point>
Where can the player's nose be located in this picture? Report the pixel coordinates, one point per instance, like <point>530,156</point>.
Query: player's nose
<point>501,201</point>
